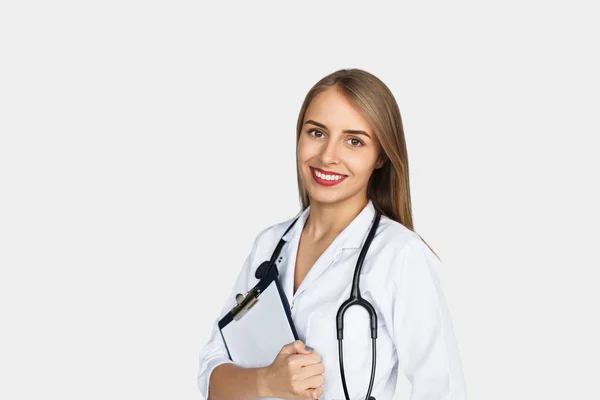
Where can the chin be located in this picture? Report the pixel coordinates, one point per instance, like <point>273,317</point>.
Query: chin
<point>320,196</point>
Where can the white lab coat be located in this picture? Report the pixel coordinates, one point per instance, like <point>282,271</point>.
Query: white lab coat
<point>399,278</point>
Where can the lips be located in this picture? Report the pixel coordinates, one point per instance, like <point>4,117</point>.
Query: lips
<point>325,182</point>
<point>328,172</point>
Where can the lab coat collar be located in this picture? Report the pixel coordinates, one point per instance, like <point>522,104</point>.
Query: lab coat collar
<point>352,237</point>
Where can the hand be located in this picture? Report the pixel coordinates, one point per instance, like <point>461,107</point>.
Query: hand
<point>296,373</point>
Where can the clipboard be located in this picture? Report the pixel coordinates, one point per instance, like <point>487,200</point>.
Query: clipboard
<point>260,323</point>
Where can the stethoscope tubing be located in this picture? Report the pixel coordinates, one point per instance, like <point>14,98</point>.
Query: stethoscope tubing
<point>354,299</point>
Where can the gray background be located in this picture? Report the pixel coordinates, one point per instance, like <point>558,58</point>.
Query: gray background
<point>143,145</point>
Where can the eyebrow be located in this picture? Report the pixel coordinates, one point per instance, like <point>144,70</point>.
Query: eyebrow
<point>351,131</point>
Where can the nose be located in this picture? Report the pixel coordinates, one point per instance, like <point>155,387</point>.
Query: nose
<point>330,153</point>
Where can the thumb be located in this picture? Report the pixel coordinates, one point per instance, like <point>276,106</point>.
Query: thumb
<point>302,348</point>
<point>296,347</point>
<point>293,348</point>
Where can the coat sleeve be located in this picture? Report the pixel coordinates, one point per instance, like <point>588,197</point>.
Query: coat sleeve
<point>423,334</point>
<point>214,352</point>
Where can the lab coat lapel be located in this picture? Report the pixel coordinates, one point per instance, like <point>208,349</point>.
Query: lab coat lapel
<point>290,250</point>
<point>351,237</point>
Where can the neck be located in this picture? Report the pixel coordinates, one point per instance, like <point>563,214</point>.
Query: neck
<point>330,219</point>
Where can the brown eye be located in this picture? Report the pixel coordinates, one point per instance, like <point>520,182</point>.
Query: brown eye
<point>314,130</point>
<point>358,142</point>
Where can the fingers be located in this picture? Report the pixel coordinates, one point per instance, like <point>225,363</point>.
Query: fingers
<point>315,381</point>
<point>296,347</point>
<point>305,368</point>
<point>302,360</point>
<point>311,370</point>
<point>313,393</point>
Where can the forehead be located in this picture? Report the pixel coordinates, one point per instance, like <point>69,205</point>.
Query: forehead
<point>332,109</point>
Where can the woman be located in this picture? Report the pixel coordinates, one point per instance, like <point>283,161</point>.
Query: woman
<point>351,162</point>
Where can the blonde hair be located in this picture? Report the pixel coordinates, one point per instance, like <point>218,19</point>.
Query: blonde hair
<point>388,187</point>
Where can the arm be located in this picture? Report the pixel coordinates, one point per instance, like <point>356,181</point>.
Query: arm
<point>219,378</point>
<point>232,382</point>
<point>423,333</point>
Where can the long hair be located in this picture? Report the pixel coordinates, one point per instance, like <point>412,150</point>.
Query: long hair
<point>388,187</point>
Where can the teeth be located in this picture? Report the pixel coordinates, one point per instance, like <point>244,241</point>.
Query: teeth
<point>328,177</point>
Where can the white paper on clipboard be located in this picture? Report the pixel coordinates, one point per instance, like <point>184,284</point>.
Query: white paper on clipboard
<point>257,337</point>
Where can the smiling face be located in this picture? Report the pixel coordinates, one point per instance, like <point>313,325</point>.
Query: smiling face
<point>337,150</point>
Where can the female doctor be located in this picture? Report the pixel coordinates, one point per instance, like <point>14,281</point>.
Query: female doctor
<point>351,162</point>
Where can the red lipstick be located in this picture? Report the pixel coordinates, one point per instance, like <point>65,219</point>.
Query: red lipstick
<point>325,182</point>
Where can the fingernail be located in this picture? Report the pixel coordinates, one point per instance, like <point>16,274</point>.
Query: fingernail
<point>309,348</point>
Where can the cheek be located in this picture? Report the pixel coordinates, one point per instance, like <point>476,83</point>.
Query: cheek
<point>301,154</point>
<point>305,151</point>
<point>359,166</point>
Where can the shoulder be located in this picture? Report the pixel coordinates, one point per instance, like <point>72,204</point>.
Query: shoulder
<point>266,240</point>
<point>395,236</point>
<point>272,233</point>
<point>404,249</point>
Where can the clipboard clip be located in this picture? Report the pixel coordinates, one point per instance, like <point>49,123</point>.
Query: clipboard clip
<point>244,303</point>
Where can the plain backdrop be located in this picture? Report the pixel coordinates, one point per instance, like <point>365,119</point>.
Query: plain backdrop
<point>144,144</point>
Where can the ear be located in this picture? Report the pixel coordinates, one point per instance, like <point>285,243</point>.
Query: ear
<point>381,160</point>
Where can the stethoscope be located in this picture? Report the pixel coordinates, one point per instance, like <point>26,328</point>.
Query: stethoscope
<point>354,299</point>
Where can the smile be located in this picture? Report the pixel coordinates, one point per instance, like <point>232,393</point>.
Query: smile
<point>326,179</point>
